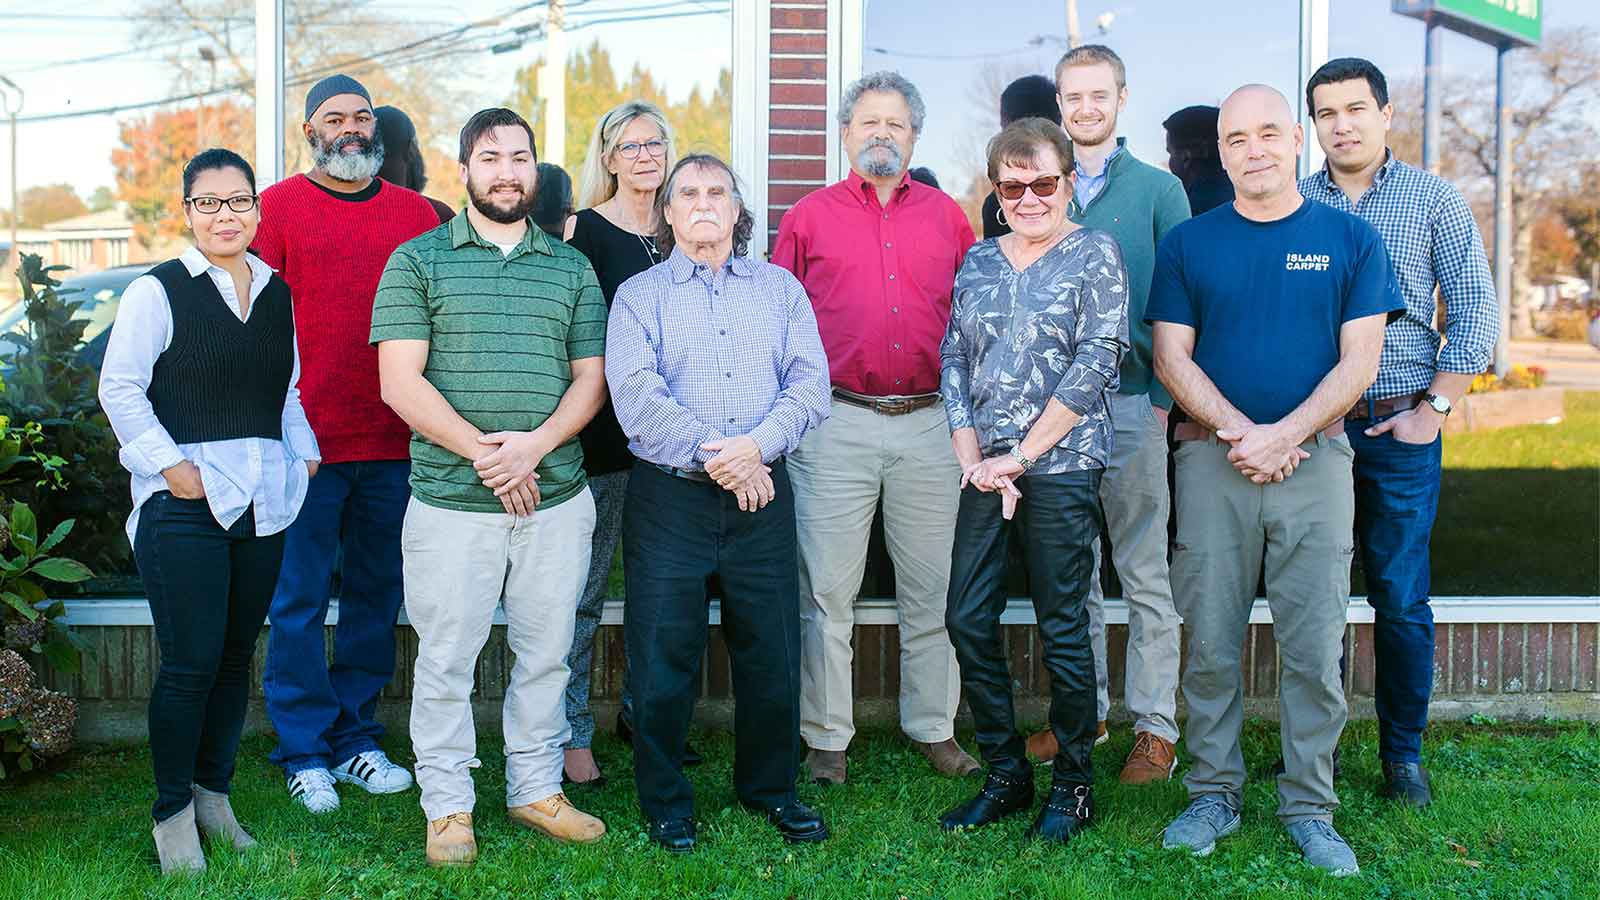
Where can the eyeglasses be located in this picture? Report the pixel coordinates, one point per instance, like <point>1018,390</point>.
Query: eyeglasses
<point>212,205</point>
<point>1041,187</point>
<point>631,149</point>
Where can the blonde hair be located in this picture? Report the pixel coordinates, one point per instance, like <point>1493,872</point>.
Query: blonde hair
<point>596,183</point>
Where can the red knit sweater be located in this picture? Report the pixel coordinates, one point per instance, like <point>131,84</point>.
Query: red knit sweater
<point>331,252</point>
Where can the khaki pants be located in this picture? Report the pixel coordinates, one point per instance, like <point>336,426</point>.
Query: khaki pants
<point>1134,496</point>
<point>458,567</point>
<point>1302,528</point>
<point>839,471</point>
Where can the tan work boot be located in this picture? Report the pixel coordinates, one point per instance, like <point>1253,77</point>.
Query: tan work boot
<point>557,817</point>
<point>827,766</point>
<point>451,842</point>
<point>1042,746</point>
<point>1152,759</point>
<point>948,758</point>
<point>178,843</point>
<point>214,815</point>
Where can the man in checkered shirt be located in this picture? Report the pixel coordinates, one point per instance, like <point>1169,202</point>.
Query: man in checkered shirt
<point>1433,242</point>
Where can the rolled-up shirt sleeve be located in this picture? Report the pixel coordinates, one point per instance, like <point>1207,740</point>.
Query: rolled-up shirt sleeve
<point>661,429</point>
<point>804,388</point>
<point>955,368</point>
<point>1101,336</point>
<point>1472,315</point>
<point>142,330</point>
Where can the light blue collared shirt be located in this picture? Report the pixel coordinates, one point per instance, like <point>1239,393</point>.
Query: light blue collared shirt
<point>1086,187</point>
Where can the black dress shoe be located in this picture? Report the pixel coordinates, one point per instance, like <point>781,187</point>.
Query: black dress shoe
<point>691,756</point>
<point>1407,782</point>
<point>1001,796</point>
<point>673,835</point>
<point>1069,810</point>
<point>797,822</point>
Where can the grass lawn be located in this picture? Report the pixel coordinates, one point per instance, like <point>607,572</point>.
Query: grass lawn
<point>1518,815</point>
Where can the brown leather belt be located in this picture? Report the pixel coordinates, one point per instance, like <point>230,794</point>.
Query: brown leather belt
<point>1377,409</point>
<point>1194,431</point>
<point>886,406</point>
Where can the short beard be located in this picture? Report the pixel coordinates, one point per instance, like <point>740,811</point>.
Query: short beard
<point>1110,133</point>
<point>516,213</point>
<point>876,168</point>
<point>352,167</point>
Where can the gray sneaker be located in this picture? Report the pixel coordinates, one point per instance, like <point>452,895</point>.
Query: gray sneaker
<point>1324,848</point>
<point>1207,820</point>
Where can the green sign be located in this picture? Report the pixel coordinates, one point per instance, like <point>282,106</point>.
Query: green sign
<point>1490,21</point>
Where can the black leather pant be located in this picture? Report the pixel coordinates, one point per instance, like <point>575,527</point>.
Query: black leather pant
<point>1057,521</point>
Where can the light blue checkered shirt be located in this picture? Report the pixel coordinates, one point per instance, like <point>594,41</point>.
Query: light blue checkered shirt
<point>1432,239</point>
<point>695,355</point>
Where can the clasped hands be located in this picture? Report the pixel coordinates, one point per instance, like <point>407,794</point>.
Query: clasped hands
<point>1263,453</point>
<point>506,464</point>
<point>997,473</point>
<point>737,469</point>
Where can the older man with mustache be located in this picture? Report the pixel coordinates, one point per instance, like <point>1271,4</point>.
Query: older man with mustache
<point>878,254</point>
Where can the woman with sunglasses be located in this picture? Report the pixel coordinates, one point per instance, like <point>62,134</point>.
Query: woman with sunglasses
<point>1037,328</point>
<point>199,384</point>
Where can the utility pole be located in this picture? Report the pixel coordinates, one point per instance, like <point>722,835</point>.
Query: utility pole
<point>553,85</point>
<point>16,199</point>
<point>1503,254</point>
<point>1074,36</point>
<point>209,56</point>
<point>1432,75</point>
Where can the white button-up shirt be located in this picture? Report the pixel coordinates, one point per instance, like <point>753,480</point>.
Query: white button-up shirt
<point>236,473</point>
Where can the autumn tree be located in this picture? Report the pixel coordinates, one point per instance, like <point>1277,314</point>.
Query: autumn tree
<point>102,199</point>
<point>149,163</point>
<point>48,203</point>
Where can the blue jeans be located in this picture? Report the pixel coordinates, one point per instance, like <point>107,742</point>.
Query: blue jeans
<point>1397,497</point>
<point>324,714</point>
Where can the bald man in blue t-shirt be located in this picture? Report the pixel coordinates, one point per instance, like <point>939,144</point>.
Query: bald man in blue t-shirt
<point>1268,316</point>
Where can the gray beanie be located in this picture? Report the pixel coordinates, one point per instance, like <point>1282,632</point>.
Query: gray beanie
<point>333,86</point>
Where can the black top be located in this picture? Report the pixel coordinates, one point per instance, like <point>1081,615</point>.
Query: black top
<point>361,196</point>
<point>221,378</point>
<point>992,226</point>
<point>617,255</point>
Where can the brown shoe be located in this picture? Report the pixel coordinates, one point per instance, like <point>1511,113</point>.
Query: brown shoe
<point>827,766</point>
<point>450,841</point>
<point>1152,759</point>
<point>948,758</point>
<point>557,817</point>
<point>1042,746</point>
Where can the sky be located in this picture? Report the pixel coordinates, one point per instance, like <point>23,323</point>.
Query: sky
<point>1178,52</point>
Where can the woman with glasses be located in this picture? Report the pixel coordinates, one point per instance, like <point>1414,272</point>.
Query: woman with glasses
<point>199,384</point>
<point>1037,328</point>
<point>629,154</point>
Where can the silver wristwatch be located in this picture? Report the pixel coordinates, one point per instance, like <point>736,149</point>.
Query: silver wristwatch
<point>1021,458</point>
<point>1441,405</point>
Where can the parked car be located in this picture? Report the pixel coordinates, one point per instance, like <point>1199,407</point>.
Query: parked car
<point>99,293</point>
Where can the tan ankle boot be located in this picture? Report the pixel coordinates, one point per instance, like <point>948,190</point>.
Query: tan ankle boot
<point>178,843</point>
<point>557,817</point>
<point>214,815</point>
<point>451,841</point>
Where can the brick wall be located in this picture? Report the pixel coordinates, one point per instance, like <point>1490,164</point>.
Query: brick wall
<point>798,130</point>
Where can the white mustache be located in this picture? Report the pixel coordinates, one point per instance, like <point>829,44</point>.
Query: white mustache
<point>699,217</point>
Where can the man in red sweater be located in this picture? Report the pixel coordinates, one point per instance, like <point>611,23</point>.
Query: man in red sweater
<point>328,233</point>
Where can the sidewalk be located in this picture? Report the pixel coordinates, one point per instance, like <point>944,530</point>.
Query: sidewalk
<point>1571,364</point>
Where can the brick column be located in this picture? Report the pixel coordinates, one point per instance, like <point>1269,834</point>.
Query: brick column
<point>798,130</point>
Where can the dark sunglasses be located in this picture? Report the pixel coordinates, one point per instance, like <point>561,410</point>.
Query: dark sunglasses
<point>209,206</point>
<point>1041,187</point>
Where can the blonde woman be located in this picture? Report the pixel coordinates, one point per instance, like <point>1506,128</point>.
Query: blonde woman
<point>629,154</point>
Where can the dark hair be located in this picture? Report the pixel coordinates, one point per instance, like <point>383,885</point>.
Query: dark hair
<point>1347,68</point>
<point>1027,97</point>
<point>1093,55</point>
<point>216,158</point>
<point>1194,128</point>
<point>485,121</point>
<point>402,153</point>
<point>924,175</point>
<point>552,199</point>
<point>1021,142</point>
<point>743,227</point>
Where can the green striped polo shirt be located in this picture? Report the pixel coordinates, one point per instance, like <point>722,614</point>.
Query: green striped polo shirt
<point>502,332</point>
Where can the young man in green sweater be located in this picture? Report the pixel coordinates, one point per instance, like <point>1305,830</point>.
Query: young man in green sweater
<point>1138,204</point>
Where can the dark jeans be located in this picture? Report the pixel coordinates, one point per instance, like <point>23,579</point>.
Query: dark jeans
<point>208,589</point>
<point>324,713</point>
<point>676,533</point>
<point>1397,496</point>
<point>1057,521</point>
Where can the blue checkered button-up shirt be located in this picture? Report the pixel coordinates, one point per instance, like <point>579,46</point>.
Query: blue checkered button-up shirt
<point>695,354</point>
<point>1432,239</point>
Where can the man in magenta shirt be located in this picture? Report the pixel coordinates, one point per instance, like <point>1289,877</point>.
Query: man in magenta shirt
<point>878,254</point>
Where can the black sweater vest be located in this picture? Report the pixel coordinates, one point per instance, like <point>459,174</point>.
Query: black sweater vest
<point>222,378</point>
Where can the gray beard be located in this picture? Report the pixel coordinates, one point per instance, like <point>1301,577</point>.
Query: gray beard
<point>877,168</point>
<point>349,166</point>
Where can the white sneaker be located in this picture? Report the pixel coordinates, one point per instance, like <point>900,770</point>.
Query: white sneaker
<point>313,789</point>
<point>374,772</point>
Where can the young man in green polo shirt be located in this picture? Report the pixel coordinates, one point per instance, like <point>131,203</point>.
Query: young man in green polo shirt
<point>1138,204</point>
<point>491,342</point>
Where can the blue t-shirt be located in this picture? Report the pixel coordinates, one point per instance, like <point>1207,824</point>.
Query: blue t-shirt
<point>1266,299</point>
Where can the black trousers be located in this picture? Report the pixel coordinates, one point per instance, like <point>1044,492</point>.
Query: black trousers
<point>209,588</point>
<point>676,533</point>
<point>1056,520</point>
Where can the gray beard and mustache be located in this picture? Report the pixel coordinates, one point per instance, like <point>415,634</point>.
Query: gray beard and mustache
<point>341,166</point>
<point>880,168</point>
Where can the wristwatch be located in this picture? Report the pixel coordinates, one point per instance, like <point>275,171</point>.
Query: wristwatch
<point>1021,458</point>
<point>1441,405</point>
